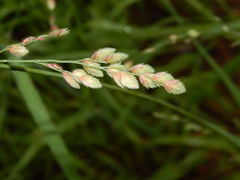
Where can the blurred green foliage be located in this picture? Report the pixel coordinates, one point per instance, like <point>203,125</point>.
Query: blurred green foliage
<point>111,134</point>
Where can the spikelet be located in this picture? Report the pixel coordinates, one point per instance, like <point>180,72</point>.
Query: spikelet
<point>54,66</point>
<point>102,53</point>
<point>70,79</point>
<point>28,39</point>
<point>59,32</point>
<point>142,68</point>
<point>147,81</point>
<point>160,78</point>
<point>82,77</point>
<point>91,70</point>
<point>125,80</point>
<point>115,68</point>
<point>90,81</point>
<point>41,37</point>
<point>18,50</point>
<point>78,72</point>
<point>115,58</point>
<point>174,87</point>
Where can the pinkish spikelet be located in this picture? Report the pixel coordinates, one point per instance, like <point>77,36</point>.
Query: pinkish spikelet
<point>59,32</point>
<point>28,39</point>
<point>116,57</point>
<point>54,66</point>
<point>102,53</point>
<point>63,32</point>
<point>115,68</point>
<point>77,73</point>
<point>54,33</point>
<point>147,81</point>
<point>160,78</point>
<point>41,37</point>
<point>141,69</point>
<point>91,70</point>
<point>18,50</point>
<point>70,80</point>
<point>174,87</point>
<point>90,81</point>
<point>125,80</point>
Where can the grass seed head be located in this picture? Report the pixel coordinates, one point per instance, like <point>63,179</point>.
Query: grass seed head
<point>18,50</point>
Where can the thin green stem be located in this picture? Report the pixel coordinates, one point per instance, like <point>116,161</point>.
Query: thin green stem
<point>40,38</point>
<point>42,61</point>
<point>220,131</point>
<point>29,70</point>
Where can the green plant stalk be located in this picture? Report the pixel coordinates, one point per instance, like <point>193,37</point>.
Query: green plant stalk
<point>43,120</point>
<point>30,70</point>
<point>215,128</point>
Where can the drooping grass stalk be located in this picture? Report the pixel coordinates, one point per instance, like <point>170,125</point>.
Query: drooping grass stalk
<point>214,128</point>
<point>43,120</point>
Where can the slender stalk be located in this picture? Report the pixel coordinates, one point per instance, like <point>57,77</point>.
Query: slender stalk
<point>215,128</point>
<point>41,61</point>
<point>30,70</point>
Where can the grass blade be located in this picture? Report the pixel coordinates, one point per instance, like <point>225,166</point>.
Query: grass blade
<point>43,120</point>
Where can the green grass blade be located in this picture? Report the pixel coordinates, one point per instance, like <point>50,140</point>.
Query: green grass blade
<point>229,84</point>
<point>43,120</point>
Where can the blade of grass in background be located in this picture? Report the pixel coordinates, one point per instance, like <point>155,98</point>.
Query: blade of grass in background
<point>39,143</point>
<point>43,120</point>
<point>225,78</point>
